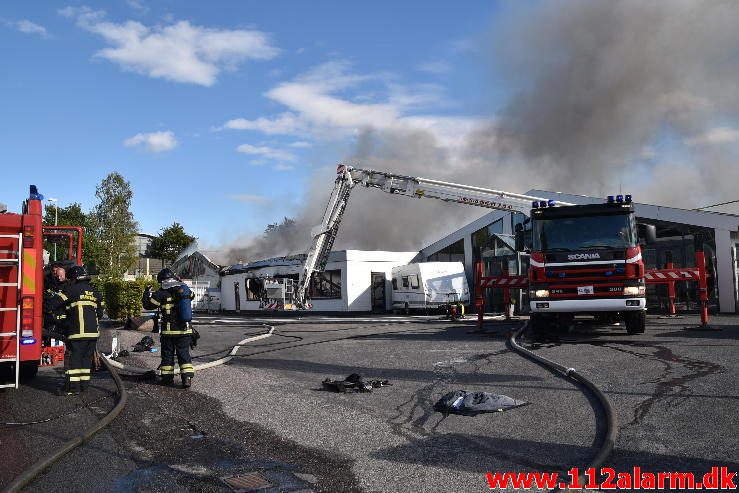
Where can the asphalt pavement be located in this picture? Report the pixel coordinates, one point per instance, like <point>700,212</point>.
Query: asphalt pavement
<point>265,411</point>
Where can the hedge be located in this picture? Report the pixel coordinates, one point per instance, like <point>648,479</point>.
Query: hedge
<point>122,298</point>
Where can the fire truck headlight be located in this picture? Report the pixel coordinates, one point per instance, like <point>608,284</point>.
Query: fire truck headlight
<point>634,291</point>
<point>539,293</point>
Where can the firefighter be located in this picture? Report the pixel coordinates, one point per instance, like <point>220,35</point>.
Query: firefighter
<point>80,306</point>
<point>54,282</point>
<point>175,333</point>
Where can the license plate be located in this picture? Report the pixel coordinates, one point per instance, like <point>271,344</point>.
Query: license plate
<point>585,290</point>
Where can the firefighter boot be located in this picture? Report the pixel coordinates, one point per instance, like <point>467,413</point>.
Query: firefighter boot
<point>186,381</point>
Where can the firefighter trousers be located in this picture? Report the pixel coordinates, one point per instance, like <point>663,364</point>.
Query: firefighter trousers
<point>179,345</point>
<point>77,363</point>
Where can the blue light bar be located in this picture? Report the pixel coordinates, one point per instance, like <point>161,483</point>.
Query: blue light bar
<point>619,198</point>
<point>27,342</point>
<point>627,199</point>
<point>610,199</point>
<point>535,204</point>
<point>551,203</point>
<point>542,203</point>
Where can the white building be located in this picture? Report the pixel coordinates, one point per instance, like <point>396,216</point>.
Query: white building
<point>679,231</point>
<point>353,280</point>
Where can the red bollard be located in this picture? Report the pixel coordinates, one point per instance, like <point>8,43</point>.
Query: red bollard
<point>478,294</point>
<point>671,290</point>
<point>700,260</point>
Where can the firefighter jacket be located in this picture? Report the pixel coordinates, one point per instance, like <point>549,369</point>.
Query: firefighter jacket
<point>79,306</point>
<point>52,287</point>
<point>165,301</point>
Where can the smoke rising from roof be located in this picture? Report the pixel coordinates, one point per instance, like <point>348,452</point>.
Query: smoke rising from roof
<point>631,94</point>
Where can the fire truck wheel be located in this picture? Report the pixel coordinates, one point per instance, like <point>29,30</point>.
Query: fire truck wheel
<point>28,370</point>
<point>636,322</point>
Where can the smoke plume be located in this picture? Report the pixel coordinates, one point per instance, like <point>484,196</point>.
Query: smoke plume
<point>631,95</point>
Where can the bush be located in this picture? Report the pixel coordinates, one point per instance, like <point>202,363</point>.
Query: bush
<point>122,298</point>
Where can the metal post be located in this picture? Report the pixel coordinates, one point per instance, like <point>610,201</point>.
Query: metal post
<point>56,219</point>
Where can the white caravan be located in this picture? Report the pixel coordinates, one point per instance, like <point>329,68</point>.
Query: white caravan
<point>429,285</point>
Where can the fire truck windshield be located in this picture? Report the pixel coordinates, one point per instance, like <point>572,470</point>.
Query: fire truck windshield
<point>607,232</point>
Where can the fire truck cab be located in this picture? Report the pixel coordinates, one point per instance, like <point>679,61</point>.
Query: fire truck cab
<point>586,260</point>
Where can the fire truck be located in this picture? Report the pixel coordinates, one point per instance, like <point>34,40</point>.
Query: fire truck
<point>22,261</point>
<point>584,259</point>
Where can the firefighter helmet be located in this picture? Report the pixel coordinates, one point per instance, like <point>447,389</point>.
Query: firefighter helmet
<point>77,273</point>
<point>166,274</point>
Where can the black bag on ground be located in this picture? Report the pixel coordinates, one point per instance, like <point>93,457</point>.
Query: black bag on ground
<point>353,383</point>
<point>143,345</point>
<point>474,403</point>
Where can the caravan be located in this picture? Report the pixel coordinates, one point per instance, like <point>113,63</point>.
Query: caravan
<point>429,285</point>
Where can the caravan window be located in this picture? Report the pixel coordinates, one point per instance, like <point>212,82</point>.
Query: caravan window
<point>405,281</point>
<point>414,281</point>
<point>395,283</point>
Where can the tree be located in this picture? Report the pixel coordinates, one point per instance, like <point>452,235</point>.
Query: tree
<point>72,215</point>
<point>170,242</point>
<point>113,225</point>
<point>279,228</point>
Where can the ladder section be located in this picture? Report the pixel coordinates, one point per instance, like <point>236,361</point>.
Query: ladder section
<point>10,296</point>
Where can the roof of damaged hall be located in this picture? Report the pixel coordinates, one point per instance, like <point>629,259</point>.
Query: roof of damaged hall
<point>258,264</point>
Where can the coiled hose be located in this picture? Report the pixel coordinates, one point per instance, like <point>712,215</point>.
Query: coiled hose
<point>42,464</point>
<point>609,440</point>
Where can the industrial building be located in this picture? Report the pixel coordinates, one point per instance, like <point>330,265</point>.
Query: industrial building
<point>353,280</point>
<point>679,233</point>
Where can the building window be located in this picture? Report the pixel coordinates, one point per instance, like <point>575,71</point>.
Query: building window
<point>395,283</point>
<point>326,285</point>
<point>405,281</point>
<point>254,289</point>
<point>452,253</point>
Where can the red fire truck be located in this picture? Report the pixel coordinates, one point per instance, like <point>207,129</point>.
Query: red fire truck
<point>22,261</point>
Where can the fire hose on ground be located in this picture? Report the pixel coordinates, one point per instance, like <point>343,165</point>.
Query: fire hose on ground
<point>609,440</point>
<point>44,463</point>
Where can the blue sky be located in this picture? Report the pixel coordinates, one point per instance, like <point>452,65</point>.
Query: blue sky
<point>211,101</point>
<point>223,114</point>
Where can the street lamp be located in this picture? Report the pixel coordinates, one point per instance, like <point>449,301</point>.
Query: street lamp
<point>56,219</point>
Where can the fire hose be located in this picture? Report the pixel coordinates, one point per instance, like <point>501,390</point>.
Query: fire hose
<point>42,464</point>
<point>609,440</point>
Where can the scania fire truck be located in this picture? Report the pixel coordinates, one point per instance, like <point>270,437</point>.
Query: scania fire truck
<point>22,284</point>
<point>584,259</point>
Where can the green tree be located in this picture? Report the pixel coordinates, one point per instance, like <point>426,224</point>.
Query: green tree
<point>112,224</point>
<point>170,242</point>
<point>72,215</point>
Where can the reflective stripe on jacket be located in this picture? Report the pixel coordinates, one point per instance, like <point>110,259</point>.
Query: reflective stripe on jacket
<point>82,308</point>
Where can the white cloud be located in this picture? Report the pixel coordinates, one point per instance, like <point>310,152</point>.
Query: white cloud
<point>718,135</point>
<point>267,152</point>
<point>318,107</point>
<point>180,52</point>
<point>283,124</point>
<point>138,6</point>
<point>301,144</point>
<point>436,68</point>
<point>153,142</point>
<point>249,198</point>
<point>28,27</point>
<point>284,167</point>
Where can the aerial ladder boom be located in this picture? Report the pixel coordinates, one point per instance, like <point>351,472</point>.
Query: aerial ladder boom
<point>348,177</point>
